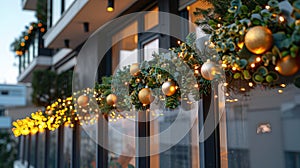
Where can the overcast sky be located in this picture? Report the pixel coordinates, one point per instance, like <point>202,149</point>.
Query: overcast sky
<point>13,21</point>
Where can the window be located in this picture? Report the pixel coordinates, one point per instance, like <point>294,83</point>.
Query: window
<point>33,149</point>
<point>2,112</point>
<point>183,154</point>
<point>238,158</point>
<point>31,52</point>
<point>67,151</point>
<point>36,46</point>
<point>260,135</point>
<point>88,147</point>
<point>292,159</point>
<point>150,48</point>
<point>121,143</point>
<point>4,92</point>
<point>68,3</point>
<point>56,11</point>
<point>41,149</point>
<point>124,50</point>
<point>121,129</point>
<point>151,19</point>
<point>52,160</point>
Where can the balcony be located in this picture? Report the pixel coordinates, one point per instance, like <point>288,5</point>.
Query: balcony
<point>29,4</point>
<point>34,58</point>
<point>70,24</point>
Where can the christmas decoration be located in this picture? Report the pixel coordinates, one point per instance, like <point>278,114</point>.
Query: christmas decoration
<point>21,44</point>
<point>287,66</point>
<point>134,69</point>
<point>258,39</point>
<point>111,99</point>
<point>83,100</point>
<point>246,63</point>
<point>145,96</point>
<point>254,44</point>
<point>169,88</point>
<point>209,70</point>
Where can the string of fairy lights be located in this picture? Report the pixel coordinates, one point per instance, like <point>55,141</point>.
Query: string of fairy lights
<point>21,45</point>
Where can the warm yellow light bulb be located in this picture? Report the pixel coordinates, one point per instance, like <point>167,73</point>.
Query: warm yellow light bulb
<point>258,59</point>
<point>109,9</point>
<point>281,18</point>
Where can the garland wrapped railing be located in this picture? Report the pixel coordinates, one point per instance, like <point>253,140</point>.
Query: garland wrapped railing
<point>246,48</point>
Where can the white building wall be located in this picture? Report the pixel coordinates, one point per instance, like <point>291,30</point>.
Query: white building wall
<point>12,95</point>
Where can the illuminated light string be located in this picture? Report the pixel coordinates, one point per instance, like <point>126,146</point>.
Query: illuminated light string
<point>68,112</point>
<point>63,112</point>
<point>81,108</point>
<point>21,44</point>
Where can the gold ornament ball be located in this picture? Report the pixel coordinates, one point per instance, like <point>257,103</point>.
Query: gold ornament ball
<point>111,99</point>
<point>135,69</point>
<point>83,100</point>
<point>209,70</point>
<point>259,39</point>
<point>145,96</point>
<point>168,88</point>
<point>287,66</point>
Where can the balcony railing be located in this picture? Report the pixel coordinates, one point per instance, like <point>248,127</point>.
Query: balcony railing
<point>36,57</point>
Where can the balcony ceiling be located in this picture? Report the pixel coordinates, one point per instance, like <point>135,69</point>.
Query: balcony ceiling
<point>29,4</point>
<point>70,25</point>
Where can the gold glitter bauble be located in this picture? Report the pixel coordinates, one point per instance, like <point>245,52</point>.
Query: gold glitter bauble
<point>259,39</point>
<point>83,100</point>
<point>135,69</point>
<point>111,99</point>
<point>169,88</point>
<point>145,96</point>
<point>287,66</point>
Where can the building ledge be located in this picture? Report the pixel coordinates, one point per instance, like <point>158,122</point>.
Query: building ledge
<point>15,95</point>
<point>29,4</point>
<point>70,25</point>
<point>60,55</point>
<point>40,62</point>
